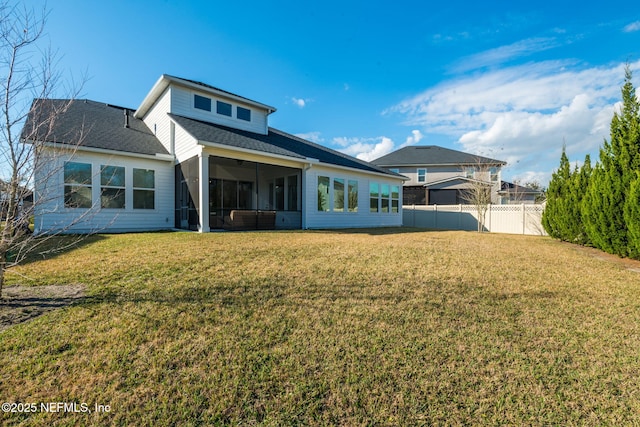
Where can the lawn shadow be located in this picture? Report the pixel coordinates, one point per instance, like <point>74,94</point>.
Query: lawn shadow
<point>51,247</point>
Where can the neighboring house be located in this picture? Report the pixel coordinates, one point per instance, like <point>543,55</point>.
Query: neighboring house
<point>196,157</point>
<point>511,193</point>
<point>438,175</point>
<point>24,199</point>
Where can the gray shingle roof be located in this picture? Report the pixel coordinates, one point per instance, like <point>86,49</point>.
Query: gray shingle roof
<point>93,124</point>
<point>275,142</point>
<point>431,155</point>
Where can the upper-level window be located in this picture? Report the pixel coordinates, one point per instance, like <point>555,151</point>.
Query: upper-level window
<point>243,114</point>
<point>494,174</point>
<point>202,103</point>
<point>470,172</point>
<point>223,108</point>
<point>77,185</point>
<point>112,186</point>
<point>422,175</point>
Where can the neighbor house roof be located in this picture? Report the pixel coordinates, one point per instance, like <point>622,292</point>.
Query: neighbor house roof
<point>510,187</point>
<point>432,155</point>
<point>276,142</point>
<point>90,124</point>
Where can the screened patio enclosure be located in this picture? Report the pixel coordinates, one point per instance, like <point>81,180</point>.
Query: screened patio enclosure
<point>242,195</point>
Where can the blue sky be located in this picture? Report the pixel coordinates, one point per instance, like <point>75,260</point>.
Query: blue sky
<point>508,80</point>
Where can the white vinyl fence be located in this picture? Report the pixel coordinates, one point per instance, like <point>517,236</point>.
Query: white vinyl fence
<point>512,219</point>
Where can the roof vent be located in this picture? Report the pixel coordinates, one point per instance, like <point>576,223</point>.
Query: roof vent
<point>126,118</point>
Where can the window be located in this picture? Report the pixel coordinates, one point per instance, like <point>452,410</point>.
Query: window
<point>144,189</point>
<point>373,197</point>
<point>384,196</point>
<point>243,114</point>
<point>77,185</point>
<point>112,187</point>
<point>422,175</point>
<point>201,103</point>
<point>470,172</point>
<point>323,194</point>
<point>494,174</point>
<point>395,198</point>
<point>353,196</point>
<point>279,193</point>
<point>223,108</point>
<point>338,195</point>
<point>394,170</point>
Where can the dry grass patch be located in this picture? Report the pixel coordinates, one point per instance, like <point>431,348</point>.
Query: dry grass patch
<point>354,327</point>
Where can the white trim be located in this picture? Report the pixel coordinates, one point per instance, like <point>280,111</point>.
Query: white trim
<point>158,156</point>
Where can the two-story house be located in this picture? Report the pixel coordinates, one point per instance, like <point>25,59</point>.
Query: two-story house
<point>441,176</point>
<point>195,157</point>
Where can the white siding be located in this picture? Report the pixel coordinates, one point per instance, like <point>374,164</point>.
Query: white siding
<point>52,216</point>
<point>157,120</point>
<point>182,104</point>
<point>363,218</point>
<point>186,146</point>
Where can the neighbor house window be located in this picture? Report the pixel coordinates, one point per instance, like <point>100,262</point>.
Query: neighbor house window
<point>77,185</point>
<point>422,175</point>
<point>384,197</point>
<point>112,186</point>
<point>353,196</point>
<point>373,197</point>
<point>323,193</point>
<point>394,170</point>
<point>395,198</point>
<point>243,114</point>
<point>470,172</point>
<point>338,195</point>
<point>494,174</point>
<point>144,185</point>
<point>202,103</point>
<point>223,108</point>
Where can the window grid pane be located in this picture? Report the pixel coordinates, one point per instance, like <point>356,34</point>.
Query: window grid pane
<point>353,196</point>
<point>323,193</point>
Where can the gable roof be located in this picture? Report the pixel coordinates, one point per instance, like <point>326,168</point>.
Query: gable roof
<point>510,187</point>
<point>432,155</point>
<point>275,142</point>
<point>165,80</point>
<point>90,124</point>
<point>457,182</point>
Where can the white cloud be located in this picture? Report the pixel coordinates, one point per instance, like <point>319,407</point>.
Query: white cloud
<point>634,26</point>
<point>300,102</point>
<point>522,114</point>
<point>311,136</point>
<point>372,148</point>
<point>505,53</point>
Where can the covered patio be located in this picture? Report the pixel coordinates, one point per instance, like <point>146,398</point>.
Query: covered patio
<point>222,193</point>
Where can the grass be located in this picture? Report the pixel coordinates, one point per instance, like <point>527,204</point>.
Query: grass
<point>372,327</point>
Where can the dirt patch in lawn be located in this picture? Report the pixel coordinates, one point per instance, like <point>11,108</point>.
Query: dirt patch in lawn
<point>629,264</point>
<point>22,303</point>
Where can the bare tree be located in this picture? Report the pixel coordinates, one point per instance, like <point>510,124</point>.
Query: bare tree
<point>26,126</point>
<point>479,187</point>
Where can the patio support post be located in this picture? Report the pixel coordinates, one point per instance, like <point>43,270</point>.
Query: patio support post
<point>203,178</point>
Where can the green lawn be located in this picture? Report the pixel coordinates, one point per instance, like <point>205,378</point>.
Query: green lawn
<point>369,327</point>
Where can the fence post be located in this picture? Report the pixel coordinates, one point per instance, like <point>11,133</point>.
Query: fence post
<point>435,216</point>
